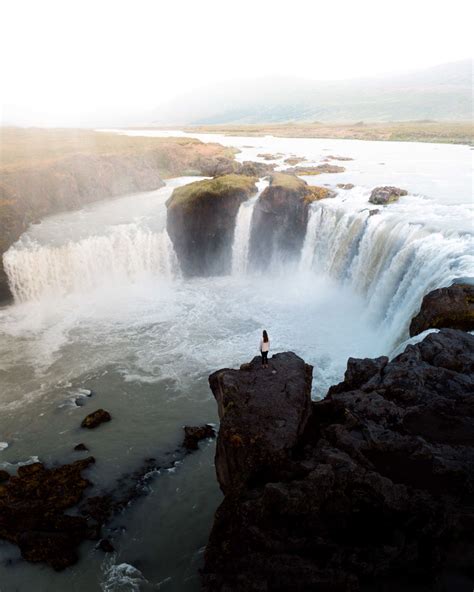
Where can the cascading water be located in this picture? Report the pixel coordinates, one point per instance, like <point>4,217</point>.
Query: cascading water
<point>243,224</point>
<point>126,254</point>
<point>390,261</point>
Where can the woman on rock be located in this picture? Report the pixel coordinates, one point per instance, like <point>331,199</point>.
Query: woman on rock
<point>264,349</point>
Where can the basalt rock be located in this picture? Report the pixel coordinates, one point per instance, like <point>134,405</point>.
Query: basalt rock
<point>263,412</point>
<point>194,434</point>
<point>280,218</point>
<point>374,489</point>
<point>94,419</point>
<point>33,514</point>
<point>201,222</point>
<point>382,196</point>
<point>451,307</point>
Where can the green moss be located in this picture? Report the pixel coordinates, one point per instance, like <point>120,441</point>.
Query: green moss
<point>289,182</point>
<point>218,188</point>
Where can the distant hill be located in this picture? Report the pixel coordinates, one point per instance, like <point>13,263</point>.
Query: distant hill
<point>442,92</point>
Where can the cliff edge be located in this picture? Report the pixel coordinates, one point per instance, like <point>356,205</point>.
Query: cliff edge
<point>372,486</point>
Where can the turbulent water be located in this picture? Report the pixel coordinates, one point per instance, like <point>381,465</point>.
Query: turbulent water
<point>102,310</point>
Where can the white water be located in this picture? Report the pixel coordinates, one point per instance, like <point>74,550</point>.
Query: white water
<point>390,261</point>
<point>101,307</point>
<point>240,247</point>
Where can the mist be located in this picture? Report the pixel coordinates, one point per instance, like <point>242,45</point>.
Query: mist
<point>116,63</point>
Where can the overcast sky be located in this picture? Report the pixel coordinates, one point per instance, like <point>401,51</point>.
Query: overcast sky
<point>79,61</point>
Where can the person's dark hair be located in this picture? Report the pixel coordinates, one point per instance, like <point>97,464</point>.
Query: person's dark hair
<point>265,336</point>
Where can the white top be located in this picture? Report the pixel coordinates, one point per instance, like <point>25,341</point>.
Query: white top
<point>264,346</point>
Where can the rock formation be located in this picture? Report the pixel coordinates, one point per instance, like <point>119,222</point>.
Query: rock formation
<point>32,512</point>
<point>201,222</point>
<point>316,170</point>
<point>371,488</point>
<point>94,419</point>
<point>194,434</point>
<point>447,307</point>
<point>382,196</point>
<point>280,218</point>
<point>345,186</point>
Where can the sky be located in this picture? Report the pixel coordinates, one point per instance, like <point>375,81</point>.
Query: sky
<point>81,62</point>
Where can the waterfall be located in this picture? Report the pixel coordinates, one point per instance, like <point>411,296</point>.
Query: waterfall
<point>243,224</point>
<point>391,262</point>
<point>126,254</point>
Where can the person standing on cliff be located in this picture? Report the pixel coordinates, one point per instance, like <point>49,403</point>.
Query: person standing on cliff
<point>264,349</point>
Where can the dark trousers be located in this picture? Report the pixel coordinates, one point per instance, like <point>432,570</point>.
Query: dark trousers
<point>264,358</point>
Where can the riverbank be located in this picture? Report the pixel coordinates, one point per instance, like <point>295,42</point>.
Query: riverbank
<point>445,132</point>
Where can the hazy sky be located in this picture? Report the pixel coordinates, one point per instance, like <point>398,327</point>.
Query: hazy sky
<point>78,61</point>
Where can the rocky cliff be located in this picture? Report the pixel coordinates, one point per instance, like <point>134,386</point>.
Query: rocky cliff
<point>369,489</point>
<point>201,222</point>
<point>280,218</point>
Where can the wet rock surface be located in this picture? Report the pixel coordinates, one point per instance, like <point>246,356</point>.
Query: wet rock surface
<point>33,507</point>
<point>95,419</point>
<point>382,196</point>
<point>372,490</point>
<point>194,434</point>
<point>451,307</point>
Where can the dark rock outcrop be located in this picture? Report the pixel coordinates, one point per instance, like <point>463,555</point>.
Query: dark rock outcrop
<point>33,515</point>
<point>194,434</point>
<point>201,222</point>
<point>382,196</point>
<point>80,447</point>
<point>94,419</point>
<point>280,218</point>
<point>4,476</point>
<point>451,307</point>
<point>375,493</point>
<point>263,412</point>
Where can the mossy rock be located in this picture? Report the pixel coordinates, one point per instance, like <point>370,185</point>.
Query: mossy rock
<point>218,188</point>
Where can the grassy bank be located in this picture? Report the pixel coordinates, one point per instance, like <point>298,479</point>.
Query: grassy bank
<point>450,132</point>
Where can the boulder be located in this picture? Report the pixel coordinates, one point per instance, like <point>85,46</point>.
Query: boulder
<point>201,222</point>
<point>345,186</point>
<point>374,493</point>
<point>80,447</point>
<point>263,412</point>
<point>194,434</point>
<point>33,516</point>
<point>94,419</point>
<point>4,476</point>
<point>451,307</point>
<point>382,196</point>
<point>280,218</point>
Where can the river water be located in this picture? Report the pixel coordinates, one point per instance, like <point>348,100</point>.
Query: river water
<point>102,309</point>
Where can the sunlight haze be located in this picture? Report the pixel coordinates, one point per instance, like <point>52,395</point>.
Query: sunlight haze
<point>88,63</point>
